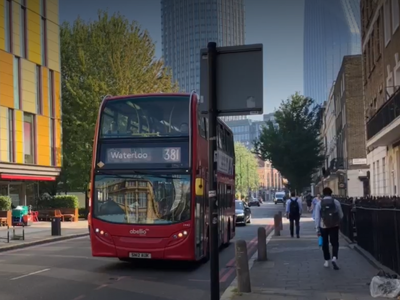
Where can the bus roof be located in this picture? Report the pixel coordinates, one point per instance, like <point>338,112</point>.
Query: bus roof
<point>111,98</point>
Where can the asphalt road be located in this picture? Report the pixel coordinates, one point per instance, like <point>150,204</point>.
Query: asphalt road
<point>67,271</point>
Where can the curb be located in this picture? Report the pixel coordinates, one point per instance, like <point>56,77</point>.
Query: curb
<point>42,242</point>
<point>368,257</point>
<point>230,290</point>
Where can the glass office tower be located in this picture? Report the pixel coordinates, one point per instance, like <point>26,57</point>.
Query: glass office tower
<point>188,26</point>
<point>331,31</point>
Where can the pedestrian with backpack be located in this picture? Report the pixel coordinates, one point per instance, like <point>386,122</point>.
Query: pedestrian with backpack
<point>328,214</point>
<point>293,213</point>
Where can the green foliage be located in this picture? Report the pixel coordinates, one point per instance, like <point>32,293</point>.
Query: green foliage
<point>294,147</point>
<point>59,201</point>
<point>83,213</point>
<point>5,203</point>
<point>245,169</point>
<point>108,56</point>
<point>65,201</point>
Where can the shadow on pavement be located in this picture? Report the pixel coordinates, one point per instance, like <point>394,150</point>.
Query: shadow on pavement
<point>151,265</point>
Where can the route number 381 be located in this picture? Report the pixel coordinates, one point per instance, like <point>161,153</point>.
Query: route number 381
<point>172,154</point>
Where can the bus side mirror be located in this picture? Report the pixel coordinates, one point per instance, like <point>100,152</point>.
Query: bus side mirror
<point>199,187</point>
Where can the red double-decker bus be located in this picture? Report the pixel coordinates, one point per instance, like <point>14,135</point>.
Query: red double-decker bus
<point>148,194</point>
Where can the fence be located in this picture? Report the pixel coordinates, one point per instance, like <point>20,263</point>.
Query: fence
<point>348,224</point>
<point>374,223</point>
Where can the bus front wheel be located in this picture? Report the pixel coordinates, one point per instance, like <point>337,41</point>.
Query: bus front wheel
<point>229,235</point>
<point>206,258</point>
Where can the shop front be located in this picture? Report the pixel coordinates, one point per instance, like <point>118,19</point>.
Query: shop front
<point>21,182</point>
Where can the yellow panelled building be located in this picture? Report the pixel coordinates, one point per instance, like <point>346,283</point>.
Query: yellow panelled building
<point>30,97</point>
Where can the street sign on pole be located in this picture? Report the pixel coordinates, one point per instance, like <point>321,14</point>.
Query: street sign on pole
<point>231,83</point>
<point>239,75</point>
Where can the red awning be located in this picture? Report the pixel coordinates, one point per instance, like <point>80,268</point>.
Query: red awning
<point>27,177</point>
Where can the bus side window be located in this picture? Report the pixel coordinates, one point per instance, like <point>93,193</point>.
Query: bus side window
<point>224,146</point>
<point>206,126</point>
<point>219,137</point>
<point>225,197</point>
<point>202,126</point>
<point>230,144</point>
<point>229,196</point>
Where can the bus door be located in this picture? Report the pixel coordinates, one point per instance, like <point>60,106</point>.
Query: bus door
<point>199,217</point>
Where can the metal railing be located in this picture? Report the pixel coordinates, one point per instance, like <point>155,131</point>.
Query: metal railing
<point>386,114</point>
<point>348,224</point>
<point>376,227</point>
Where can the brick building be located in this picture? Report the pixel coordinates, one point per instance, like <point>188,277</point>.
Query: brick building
<point>381,81</point>
<point>269,177</point>
<point>344,134</point>
<point>350,128</point>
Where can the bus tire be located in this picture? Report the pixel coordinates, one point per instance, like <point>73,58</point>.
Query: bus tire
<point>206,258</point>
<point>229,235</point>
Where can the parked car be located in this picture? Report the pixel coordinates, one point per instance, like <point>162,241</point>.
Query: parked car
<point>254,202</point>
<point>279,198</point>
<point>243,212</point>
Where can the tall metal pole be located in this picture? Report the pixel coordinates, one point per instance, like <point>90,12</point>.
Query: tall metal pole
<point>212,194</point>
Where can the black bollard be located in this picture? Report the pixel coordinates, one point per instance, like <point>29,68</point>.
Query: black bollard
<point>262,244</point>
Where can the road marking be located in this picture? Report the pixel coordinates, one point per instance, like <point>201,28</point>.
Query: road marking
<point>5,252</point>
<point>101,287</point>
<point>30,274</point>
<point>79,297</point>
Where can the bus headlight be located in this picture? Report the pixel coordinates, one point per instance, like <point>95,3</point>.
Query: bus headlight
<point>104,236</point>
<point>180,234</point>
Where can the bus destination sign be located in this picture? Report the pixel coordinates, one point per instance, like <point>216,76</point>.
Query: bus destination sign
<point>143,155</point>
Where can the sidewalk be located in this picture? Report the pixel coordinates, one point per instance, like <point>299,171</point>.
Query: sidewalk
<point>294,270</point>
<point>40,233</point>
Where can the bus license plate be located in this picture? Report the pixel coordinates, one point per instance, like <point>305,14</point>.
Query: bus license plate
<point>139,255</point>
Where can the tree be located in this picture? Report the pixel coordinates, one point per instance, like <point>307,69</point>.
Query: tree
<point>245,169</point>
<point>294,145</point>
<point>108,56</point>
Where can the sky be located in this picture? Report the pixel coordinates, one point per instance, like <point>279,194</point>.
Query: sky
<point>277,24</point>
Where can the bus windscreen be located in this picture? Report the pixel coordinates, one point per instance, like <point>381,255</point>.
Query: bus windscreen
<point>142,199</point>
<point>159,116</point>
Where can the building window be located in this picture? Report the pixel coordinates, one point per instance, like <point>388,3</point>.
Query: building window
<point>386,17</point>
<point>17,82</point>
<point>142,200</point>
<point>378,38</point>
<point>374,179</point>
<point>52,142</point>
<point>8,25</point>
<point>395,15</point>
<point>384,176</point>
<point>43,40</point>
<point>39,102</point>
<point>52,119</point>
<point>378,178</point>
<point>29,138</point>
<point>11,147</point>
<point>23,31</point>
<point>51,94</point>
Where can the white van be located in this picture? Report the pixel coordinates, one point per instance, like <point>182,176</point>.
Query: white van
<point>279,197</point>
